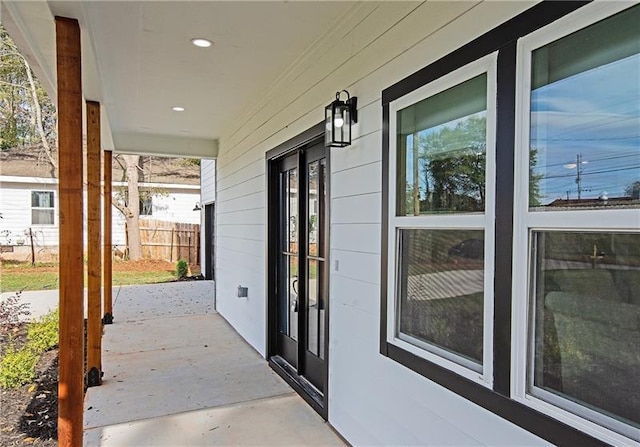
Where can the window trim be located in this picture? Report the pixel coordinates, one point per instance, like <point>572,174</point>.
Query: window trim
<point>482,373</point>
<point>53,208</point>
<point>502,38</point>
<point>527,221</point>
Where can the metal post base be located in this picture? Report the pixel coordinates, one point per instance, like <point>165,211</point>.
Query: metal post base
<point>94,377</point>
<point>107,319</point>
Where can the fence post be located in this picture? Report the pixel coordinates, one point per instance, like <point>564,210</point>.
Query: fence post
<point>33,252</point>
<point>171,249</point>
<point>179,246</point>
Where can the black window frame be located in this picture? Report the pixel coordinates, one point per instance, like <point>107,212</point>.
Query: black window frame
<point>503,40</point>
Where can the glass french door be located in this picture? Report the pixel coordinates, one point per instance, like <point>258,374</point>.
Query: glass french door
<point>301,291</point>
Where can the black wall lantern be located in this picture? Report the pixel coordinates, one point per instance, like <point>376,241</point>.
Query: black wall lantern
<point>338,117</point>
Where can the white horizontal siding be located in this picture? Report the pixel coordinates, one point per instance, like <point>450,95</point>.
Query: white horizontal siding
<point>15,206</point>
<point>207,181</point>
<point>176,206</point>
<point>373,400</point>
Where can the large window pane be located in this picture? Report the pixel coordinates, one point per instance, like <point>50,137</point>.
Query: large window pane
<point>587,320</point>
<point>42,208</point>
<point>585,118</point>
<point>42,199</point>
<point>42,217</point>
<point>441,151</point>
<point>441,289</point>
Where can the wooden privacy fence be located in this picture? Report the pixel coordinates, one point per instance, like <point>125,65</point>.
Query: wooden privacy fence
<point>170,240</point>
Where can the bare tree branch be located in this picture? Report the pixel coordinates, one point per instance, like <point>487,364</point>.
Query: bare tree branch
<point>11,84</point>
<point>39,126</point>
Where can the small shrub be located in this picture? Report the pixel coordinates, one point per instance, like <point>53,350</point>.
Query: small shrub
<point>182,267</point>
<point>12,312</point>
<point>43,334</point>
<point>18,367</point>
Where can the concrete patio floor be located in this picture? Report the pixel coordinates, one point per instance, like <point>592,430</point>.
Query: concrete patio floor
<point>177,374</point>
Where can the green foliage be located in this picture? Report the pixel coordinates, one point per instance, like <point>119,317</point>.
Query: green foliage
<point>451,168</point>
<point>182,267</point>
<point>43,334</point>
<point>187,162</point>
<point>18,367</point>
<point>17,105</point>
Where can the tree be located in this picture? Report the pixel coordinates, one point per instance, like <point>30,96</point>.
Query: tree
<point>128,203</point>
<point>534,179</point>
<point>129,199</point>
<point>633,190</point>
<point>452,161</point>
<point>28,115</point>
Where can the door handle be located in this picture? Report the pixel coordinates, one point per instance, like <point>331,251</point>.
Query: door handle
<point>294,303</point>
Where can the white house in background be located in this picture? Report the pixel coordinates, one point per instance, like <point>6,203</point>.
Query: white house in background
<point>416,287</point>
<point>29,206</point>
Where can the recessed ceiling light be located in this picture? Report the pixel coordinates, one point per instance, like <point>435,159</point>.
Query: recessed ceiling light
<point>177,109</point>
<point>202,43</point>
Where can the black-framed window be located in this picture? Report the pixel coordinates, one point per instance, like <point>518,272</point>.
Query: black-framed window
<point>42,208</point>
<point>521,355</point>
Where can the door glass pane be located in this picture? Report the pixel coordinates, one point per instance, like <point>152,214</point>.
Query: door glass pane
<point>284,298</point>
<point>293,297</point>
<point>442,144</point>
<point>441,282</point>
<point>313,188</point>
<point>289,264</point>
<point>322,207</point>
<point>312,307</point>
<point>322,299</point>
<point>284,217</point>
<point>292,193</point>
<point>585,118</point>
<point>586,306</point>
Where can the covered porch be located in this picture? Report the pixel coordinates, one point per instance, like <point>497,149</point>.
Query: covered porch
<point>176,373</point>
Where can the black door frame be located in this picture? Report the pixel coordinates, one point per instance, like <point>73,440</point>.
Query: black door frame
<point>209,241</point>
<point>311,137</point>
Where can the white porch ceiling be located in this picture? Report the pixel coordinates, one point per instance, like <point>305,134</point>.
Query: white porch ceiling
<point>138,61</point>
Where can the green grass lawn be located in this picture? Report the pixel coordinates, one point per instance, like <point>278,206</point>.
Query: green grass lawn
<point>14,276</point>
<point>11,281</point>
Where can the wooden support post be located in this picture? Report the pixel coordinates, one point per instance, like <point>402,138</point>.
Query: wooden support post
<point>108,250</point>
<point>94,248</point>
<point>71,344</point>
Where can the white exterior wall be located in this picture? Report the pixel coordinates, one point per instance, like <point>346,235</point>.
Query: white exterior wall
<point>207,196</point>
<point>372,399</point>
<point>15,206</point>
<point>207,181</point>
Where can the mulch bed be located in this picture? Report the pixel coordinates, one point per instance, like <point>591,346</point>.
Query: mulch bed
<point>29,414</point>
